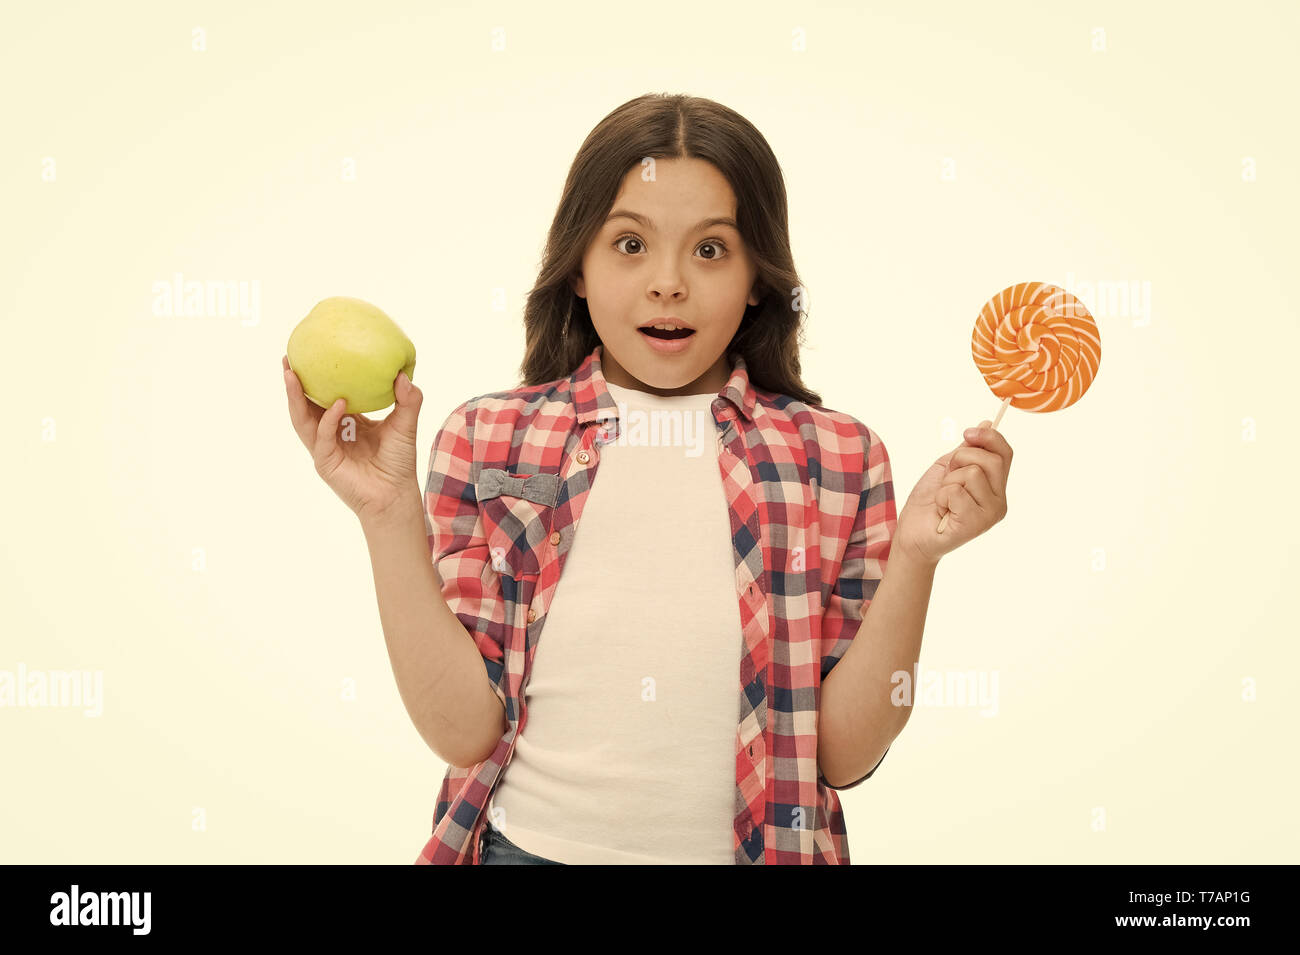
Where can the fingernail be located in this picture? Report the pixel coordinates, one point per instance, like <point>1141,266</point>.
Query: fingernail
<point>971,432</point>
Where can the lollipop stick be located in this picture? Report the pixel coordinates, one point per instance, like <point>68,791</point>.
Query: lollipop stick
<point>998,417</point>
<point>1002,409</point>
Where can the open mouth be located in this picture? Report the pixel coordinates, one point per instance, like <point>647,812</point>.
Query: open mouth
<point>666,334</point>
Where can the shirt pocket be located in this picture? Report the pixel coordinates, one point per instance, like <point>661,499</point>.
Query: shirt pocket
<point>517,510</point>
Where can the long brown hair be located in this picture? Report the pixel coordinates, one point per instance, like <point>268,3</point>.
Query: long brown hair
<point>558,331</point>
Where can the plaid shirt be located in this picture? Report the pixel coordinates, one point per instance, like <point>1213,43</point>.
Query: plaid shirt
<point>812,515</point>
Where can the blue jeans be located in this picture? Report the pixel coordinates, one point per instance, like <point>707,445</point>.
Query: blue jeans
<point>496,849</point>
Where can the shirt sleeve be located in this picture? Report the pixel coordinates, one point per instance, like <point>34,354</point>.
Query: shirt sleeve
<point>458,546</point>
<point>863,566</point>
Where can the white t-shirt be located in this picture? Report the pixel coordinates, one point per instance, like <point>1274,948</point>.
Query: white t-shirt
<point>629,752</point>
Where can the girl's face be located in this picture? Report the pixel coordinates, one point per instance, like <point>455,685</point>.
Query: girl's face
<point>661,253</point>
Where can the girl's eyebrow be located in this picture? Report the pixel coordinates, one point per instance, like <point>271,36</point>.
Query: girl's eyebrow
<point>645,220</point>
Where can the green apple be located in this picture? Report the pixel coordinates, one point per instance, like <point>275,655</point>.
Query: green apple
<point>347,348</point>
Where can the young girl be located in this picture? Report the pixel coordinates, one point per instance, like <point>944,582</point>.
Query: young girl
<point>711,676</point>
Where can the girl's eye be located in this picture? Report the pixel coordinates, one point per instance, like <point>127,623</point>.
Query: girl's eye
<point>710,243</point>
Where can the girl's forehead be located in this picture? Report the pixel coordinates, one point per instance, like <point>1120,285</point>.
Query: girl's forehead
<point>681,201</point>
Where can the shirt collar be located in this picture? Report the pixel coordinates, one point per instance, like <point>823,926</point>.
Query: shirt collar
<point>593,401</point>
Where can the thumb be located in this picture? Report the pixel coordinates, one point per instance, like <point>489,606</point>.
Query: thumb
<point>409,398</point>
<point>946,459</point>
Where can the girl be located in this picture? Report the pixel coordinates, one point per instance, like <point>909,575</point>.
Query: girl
<point>711,675</point>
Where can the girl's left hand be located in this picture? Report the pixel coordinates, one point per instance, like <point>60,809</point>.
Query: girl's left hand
<point>969,484</point>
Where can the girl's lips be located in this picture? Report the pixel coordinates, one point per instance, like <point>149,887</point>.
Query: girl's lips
<point>667,346</point>
<point>668,320</point>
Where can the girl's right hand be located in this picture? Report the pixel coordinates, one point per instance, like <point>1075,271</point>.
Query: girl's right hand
<point>374,474</point>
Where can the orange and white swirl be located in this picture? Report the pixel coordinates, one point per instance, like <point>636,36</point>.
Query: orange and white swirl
<point>1037,345</point>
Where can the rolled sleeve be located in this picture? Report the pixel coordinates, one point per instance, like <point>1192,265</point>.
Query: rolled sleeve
<point>457,543</point>
<point>856,781</point>
<point>863,564</point>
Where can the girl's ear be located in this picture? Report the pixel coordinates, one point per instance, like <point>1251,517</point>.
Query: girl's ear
<point>578,285</point>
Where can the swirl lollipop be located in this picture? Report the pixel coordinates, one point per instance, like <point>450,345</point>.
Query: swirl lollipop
<point>1037,347</point>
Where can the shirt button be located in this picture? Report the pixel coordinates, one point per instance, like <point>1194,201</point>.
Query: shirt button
<point>532,615</point>
<point>583,457</point>
<point>555,537</point>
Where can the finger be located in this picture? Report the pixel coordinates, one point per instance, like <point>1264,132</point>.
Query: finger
<point>956,501</point>
<point>945,460</point>
<point>976,483</point>
<point>327,444</point>
<point>304,414</point>
<point>985,437</point>
<point>993,465</point>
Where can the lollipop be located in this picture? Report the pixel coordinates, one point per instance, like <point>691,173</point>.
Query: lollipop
<point>1037,347</point>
